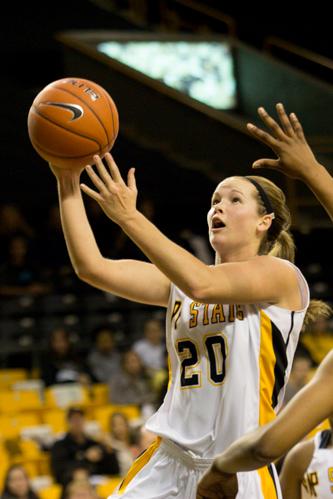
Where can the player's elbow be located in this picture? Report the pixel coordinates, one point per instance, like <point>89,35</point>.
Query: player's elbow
<point>264,451</point>
<point>84,273</point>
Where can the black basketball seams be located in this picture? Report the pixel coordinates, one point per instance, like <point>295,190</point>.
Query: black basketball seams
<point>41,115</point>
<point>89,107</point>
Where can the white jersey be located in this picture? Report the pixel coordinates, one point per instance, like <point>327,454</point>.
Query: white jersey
<point>318,478</point>
<point>229,365</point>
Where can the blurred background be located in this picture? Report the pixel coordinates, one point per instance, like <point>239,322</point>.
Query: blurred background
<point>186,76</point>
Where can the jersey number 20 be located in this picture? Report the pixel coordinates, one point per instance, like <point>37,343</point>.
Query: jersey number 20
<point>188,353</point>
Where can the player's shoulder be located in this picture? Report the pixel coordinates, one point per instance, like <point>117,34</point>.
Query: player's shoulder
<point>325,370</point>
<point>300,456</point>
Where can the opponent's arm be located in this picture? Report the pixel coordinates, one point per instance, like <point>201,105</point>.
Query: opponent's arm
<point>295,157</point>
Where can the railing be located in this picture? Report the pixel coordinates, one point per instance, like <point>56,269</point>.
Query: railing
<point>317,64</point>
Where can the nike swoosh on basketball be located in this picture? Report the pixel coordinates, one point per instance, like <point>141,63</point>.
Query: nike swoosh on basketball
<point>74,108</point>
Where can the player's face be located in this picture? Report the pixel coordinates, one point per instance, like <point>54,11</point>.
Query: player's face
<point>233,217</point>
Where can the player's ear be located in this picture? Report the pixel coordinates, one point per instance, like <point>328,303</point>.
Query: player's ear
<point>265,222</point>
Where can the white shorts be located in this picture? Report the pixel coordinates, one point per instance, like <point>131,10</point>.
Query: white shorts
<point>166,471</point>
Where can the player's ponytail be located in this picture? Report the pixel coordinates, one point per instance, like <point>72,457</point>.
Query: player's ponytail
<point>284,246</point>
<point>278,241</point>
<point>316,310</point>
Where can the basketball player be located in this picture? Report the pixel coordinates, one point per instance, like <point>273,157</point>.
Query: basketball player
<point>314,402</point>
<point>232,328</point>
<point>307,471</point>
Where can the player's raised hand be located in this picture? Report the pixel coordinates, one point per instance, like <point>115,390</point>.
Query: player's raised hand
<point>116,198</point>
<point>217,485</point>
<point>286,138</point>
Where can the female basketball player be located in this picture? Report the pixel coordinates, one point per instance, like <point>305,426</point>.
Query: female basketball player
<point>308,468</point>
<point>232,328</point>
<point>314,403</point>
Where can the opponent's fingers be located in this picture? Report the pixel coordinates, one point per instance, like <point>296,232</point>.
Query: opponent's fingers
<point>115,173</point>
<point>263,136</point>
<point>284,120</point>
<point>297,126</point>
<point>271,123</point>
<point>96,180</point>
<point>90,192</point>
<point>266,163</point>
<point>131,182</point>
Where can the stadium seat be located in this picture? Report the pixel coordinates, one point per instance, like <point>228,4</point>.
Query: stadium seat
<point>105,489</point>
<point>56,419</point>
<point>66,395</point>
<point>14,401</point>
<point>10,376</point>
<point>103,414</point>
<point>100,394</point>
<point>51,492</point>
<point>12,426</point>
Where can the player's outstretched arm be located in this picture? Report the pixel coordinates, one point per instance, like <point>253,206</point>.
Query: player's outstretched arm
<point>306,410</point>
<point>294,155</point>
<point>201,282</point>
<point>134,280</point>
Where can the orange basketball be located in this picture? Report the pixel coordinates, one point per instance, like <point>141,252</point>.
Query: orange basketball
<point>72,119</point>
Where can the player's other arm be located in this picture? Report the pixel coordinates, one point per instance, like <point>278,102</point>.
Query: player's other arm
<point>307,409</point>
<point>134,280</point>
<point>294,467</point>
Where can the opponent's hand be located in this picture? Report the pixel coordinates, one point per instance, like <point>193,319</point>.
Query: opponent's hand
<point>217,485</point>
<point>287,140</point>
<point>116,198</point>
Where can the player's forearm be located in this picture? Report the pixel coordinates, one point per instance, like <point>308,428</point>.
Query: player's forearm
<point>243,455</point>
<point>180,266</point>
<point>80,240</point>
<point>320,182</point>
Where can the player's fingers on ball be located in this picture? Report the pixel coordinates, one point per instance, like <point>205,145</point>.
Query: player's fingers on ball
<point>270,122</point>
<point>284,119</point>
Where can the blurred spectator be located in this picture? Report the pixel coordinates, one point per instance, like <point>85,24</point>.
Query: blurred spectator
<point>104,360</point>
<point>13,223</point>
<point>300,374</point>
<point>16,484</point>
<point>131,385</point>
<point>77,448</point>
<point>61,364</point>
<point>78,473</point>
<point>20,274</point>
<point>79,489</point>
<point>120,439</point>
<point>151,348</point>
<point>318,341</point>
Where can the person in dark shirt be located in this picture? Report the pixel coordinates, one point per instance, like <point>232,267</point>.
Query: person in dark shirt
<point>62,364</point>
<point>77,448</point>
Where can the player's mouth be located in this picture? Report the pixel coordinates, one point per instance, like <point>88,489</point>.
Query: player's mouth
<point>217,224</point>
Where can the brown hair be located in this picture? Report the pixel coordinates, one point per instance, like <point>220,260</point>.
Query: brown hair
<point>279,242</point>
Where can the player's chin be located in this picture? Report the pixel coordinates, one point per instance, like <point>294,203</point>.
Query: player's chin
<point>216,240</point>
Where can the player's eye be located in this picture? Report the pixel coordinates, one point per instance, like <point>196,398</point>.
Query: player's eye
<point>235,199</point>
